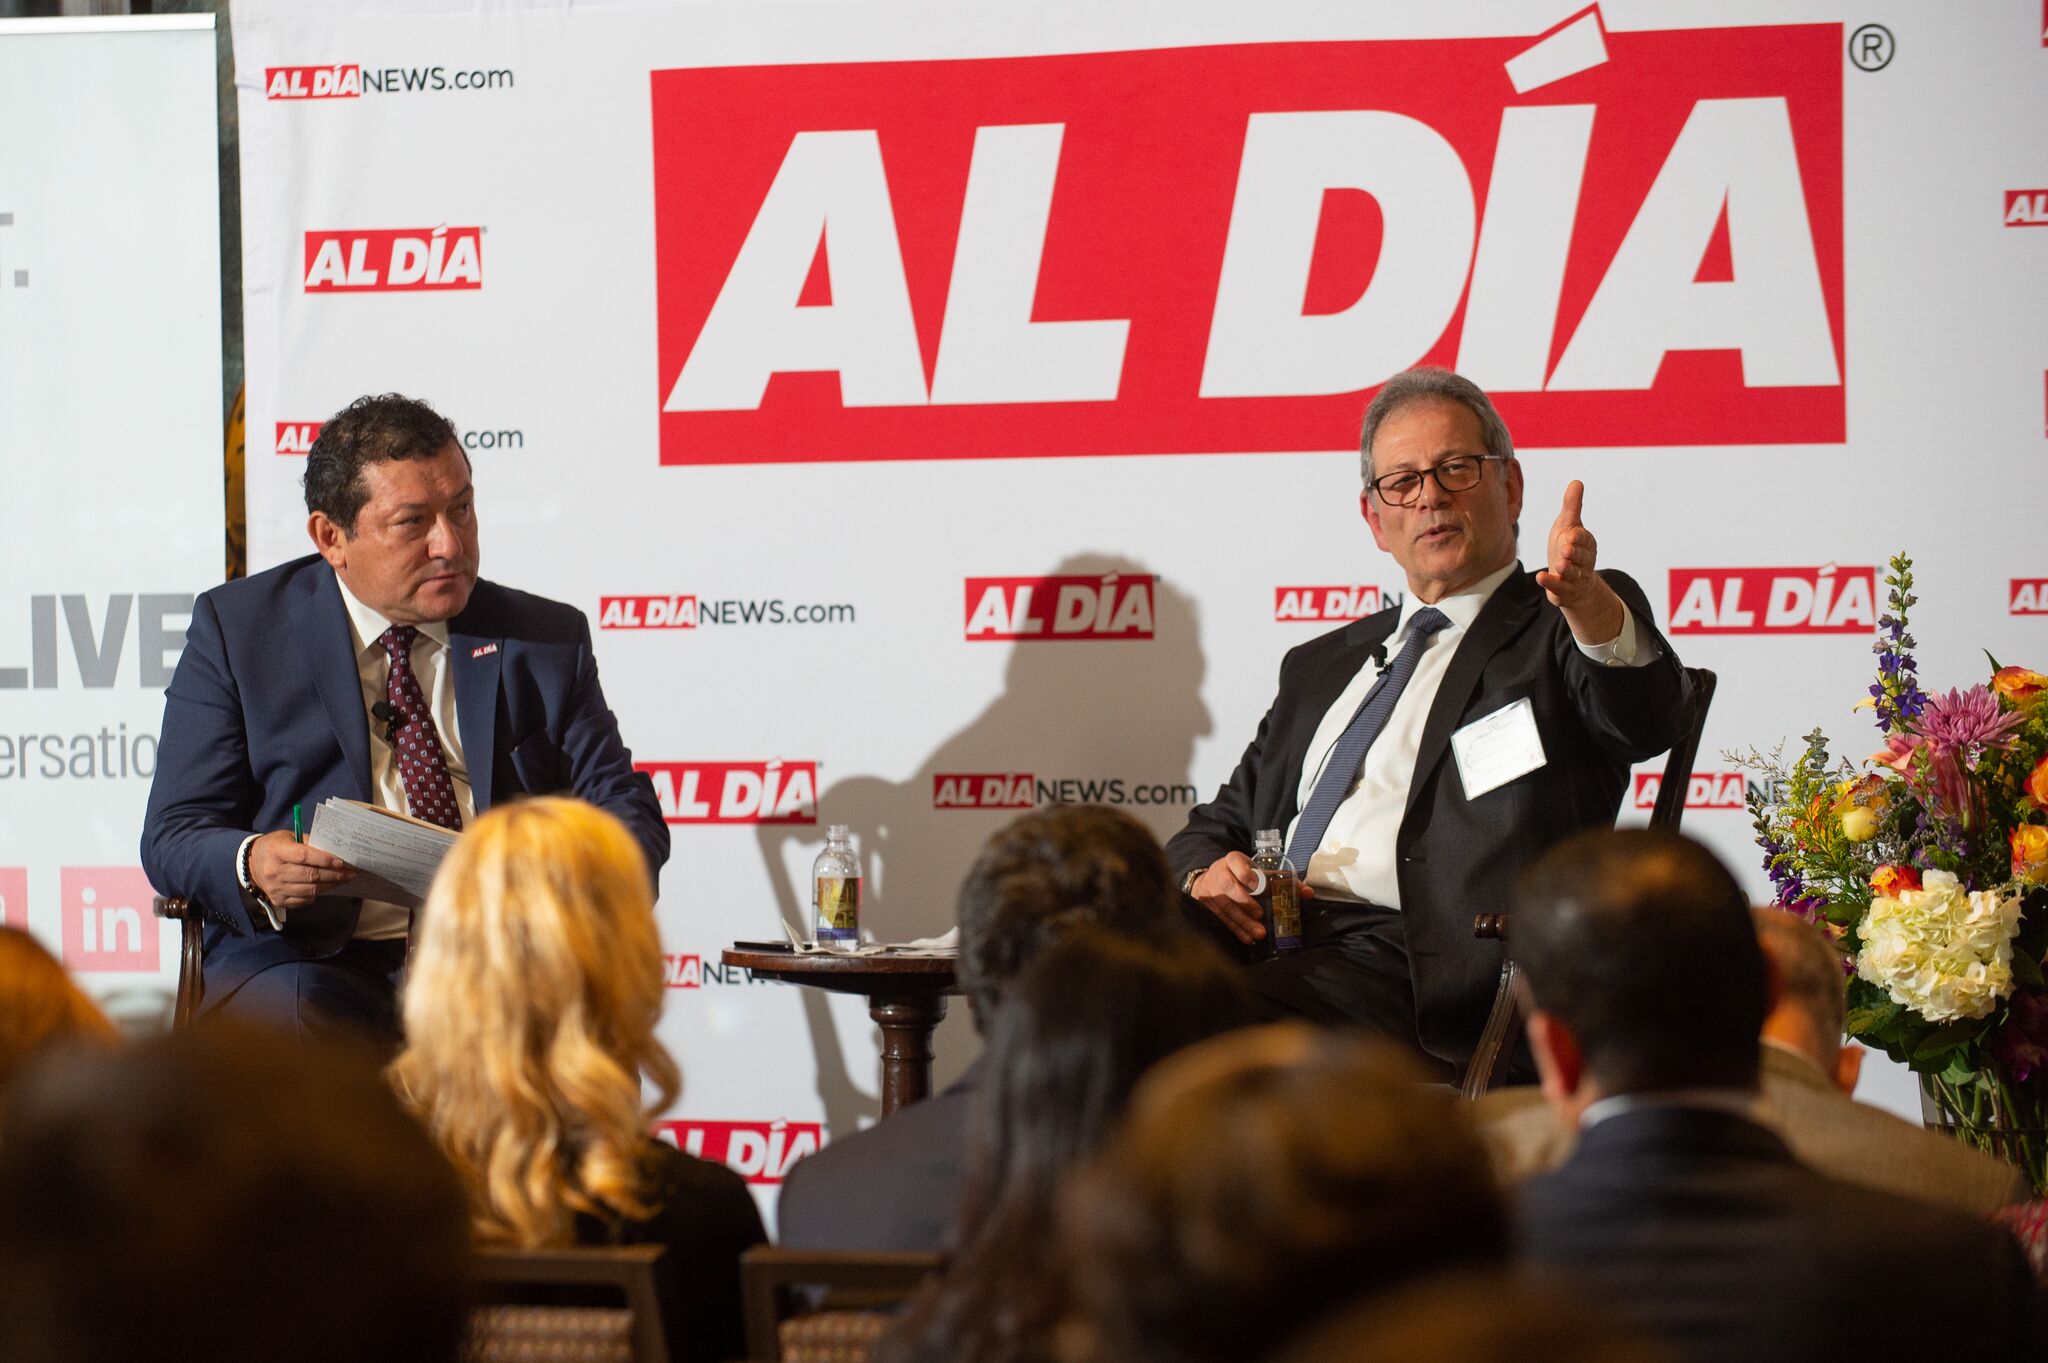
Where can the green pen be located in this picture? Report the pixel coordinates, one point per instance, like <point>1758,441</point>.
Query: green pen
<point>295,825</point>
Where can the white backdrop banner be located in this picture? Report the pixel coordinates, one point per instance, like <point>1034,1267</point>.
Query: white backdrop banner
<point>945,410</point>
<point>110,442</point>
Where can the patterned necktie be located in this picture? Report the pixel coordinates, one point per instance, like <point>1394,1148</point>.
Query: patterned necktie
<point>1348,757</point>
<point>429,791</point>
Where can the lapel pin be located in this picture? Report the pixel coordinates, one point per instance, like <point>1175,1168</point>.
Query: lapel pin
<point>483,650</point>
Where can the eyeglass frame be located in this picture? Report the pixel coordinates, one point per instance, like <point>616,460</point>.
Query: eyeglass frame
<point>1482,460</point>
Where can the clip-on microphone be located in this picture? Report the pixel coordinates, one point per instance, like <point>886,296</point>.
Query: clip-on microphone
<point>392,717</point>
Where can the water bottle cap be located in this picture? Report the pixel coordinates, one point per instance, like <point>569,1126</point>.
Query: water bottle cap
<point>837,832</point>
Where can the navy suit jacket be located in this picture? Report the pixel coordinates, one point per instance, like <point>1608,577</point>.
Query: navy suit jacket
<point>265,711</point>
<point>1457,857</point>
<point>1701,1228</point>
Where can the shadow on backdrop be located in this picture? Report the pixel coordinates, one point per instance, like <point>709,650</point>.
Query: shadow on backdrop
<point>1110,721</point>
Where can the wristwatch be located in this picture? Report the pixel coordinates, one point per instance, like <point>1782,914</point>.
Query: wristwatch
<point>1187,882</point>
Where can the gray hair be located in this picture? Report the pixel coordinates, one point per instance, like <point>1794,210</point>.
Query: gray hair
<point>1812,974</point>
<point>1429,383</point>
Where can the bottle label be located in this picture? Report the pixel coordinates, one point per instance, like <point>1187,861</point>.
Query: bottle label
<point>839,909</point>
<point>1286,911</point>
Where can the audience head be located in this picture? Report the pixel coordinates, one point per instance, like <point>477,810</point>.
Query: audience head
<point>1083,1021</point>
<point>529,1018</point>
<point>1091,1013</point>
<point>224,1194</point>
<point>1048,871</point>
<point>1481,1317</point>
<point>1811,1000</point>
<point>1261,1180</point>
<point>1642,965</point>
<point>39,1005</point>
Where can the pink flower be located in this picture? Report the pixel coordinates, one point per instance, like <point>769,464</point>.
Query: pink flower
<point>1898,754</point>
<point>1966,721</point>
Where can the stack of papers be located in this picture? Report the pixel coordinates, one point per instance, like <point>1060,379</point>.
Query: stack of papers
<point>395,855</point>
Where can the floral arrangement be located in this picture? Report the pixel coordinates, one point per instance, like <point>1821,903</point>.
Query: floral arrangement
<point>1929,864</point>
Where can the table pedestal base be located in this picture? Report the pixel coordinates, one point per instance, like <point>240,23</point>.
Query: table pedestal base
<point>906,1021</point>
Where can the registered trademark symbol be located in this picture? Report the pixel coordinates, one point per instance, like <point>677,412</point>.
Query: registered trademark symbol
<point>1871,47</point>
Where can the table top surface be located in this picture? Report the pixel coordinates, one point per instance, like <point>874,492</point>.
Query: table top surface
<point>822,967</point>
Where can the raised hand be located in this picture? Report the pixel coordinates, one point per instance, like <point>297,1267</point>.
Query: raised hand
<point>1572,553</point>
<point>1589,604</point>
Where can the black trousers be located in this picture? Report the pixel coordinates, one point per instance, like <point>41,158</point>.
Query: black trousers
<point>1351,972</point>
<point>350,997</point>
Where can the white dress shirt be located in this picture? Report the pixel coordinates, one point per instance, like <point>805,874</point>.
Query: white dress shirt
<point>1356,859</point>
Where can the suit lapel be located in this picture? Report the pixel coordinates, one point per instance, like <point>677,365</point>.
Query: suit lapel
<point>1500,620</point>
<point>321,623</point>
<point>476,654</point>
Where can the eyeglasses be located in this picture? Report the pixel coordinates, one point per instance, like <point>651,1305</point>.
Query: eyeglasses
<point>1459,473</point>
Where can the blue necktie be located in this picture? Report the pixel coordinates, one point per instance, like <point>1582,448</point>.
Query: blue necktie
<point>1348,756</point>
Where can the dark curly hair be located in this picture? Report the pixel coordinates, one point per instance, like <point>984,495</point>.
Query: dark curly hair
<point>1048,871</point>
<point>368,431</point>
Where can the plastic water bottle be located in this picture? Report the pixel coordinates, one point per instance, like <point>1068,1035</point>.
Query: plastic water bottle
<point>835,891</point>
<point>1279,893</point>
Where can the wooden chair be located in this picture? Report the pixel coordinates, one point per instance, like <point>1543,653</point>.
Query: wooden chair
<point>597,1305</point>
<point>825,1307</point>
<point>191,974</point>
<point>1504,1024</point>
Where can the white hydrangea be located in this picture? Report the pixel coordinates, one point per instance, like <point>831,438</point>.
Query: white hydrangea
<point>1945,953</point>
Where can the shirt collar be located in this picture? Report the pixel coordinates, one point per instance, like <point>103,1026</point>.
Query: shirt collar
<point>368,625</point>
<point>1462,607</point>
<point>1735,1102</point>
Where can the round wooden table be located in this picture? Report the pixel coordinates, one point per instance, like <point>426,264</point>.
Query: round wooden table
<point>906,998</point>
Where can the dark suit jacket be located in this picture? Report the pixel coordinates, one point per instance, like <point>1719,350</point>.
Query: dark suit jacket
<point>1701,1227</point>
<point>894,1186</point>
<point>265,711</point>
<point>1459,857</point>
<point>706,1217</point>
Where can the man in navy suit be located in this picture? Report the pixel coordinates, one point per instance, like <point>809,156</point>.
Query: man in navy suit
<point>1415,760</point>
<point>1679,1212</point>
<point>380,669</point>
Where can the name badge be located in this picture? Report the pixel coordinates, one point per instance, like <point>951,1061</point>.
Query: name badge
<point>1494,749</point>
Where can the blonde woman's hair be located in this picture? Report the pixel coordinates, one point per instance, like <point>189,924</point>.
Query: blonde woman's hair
<point>529,1019</point>
<point>39,1005</point>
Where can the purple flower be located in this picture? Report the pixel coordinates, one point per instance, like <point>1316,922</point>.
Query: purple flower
<point>2021,1045</point>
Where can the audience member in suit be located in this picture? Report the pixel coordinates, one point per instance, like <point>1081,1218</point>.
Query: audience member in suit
<point>897,1185</point>
<point>1478,1317</point>
<point>40,1006</point>
<point>381,669</point>
<point>1091,1014</point>
<point>1678,1210</point>
<point>530,1042</point>
<point>224,1194</point>
<point>1396,830</point>
<point>1806,1078</point>
<point>1262,1181</point>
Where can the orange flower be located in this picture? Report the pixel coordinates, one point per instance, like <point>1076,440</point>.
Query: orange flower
<point>1894,880</point>
<point>2037,784</point>
<point>2020,685</point>
<point>2030,854</point>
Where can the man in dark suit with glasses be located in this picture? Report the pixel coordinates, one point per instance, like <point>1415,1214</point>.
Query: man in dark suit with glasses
<point>1415,760</point>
